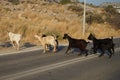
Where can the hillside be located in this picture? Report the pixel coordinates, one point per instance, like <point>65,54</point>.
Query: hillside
<point>30,18</point>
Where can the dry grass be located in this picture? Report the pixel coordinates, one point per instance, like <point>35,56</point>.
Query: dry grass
<point>104,30</point>
<point>56,20</point>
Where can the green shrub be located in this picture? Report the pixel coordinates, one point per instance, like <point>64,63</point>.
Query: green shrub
<point>94,18</point>
<point>75,8</point>
<point>110,9</point>
<point>65,1</point>
<point>14,1</point>
<point>7,9</point>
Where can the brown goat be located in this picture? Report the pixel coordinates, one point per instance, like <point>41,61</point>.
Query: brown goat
<point>81,44</point>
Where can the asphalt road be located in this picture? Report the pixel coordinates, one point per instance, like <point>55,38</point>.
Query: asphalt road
<point>34,65</point>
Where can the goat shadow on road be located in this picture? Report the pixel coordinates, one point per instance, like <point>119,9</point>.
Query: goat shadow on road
<point>60,48</point>
<point>5,44</point>
<point>64,48</point>
<point>28,44</point>
<point>71,51</point>
<point>24,45</point>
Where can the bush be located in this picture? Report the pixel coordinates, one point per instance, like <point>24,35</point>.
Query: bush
<point>110,10</point>
<point>14,1</point>
<point>94,18</point>
<point>75,8</point>
<point>65,1</point>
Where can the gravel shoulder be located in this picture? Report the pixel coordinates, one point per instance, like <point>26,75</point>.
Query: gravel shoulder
<point>11,50</point>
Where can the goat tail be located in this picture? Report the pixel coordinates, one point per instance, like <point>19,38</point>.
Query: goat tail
<point>56,37</point>
<point>112,37</point>
<point>112,41</point>
<point>88,42</point>
<point>36,36</point>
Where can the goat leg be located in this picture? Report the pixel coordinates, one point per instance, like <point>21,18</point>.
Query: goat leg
<point>101,53</point>
<point>44,49</point>
<point>113,50</point>
<point>17,45</point>
<point>47,47</point>
<point>80,52</point>
<point>94,50</point>
<point>67,50</point>
<point>86,52</point>
<point>54,49</point>
<point>13,45</point>
<point>110,53</point>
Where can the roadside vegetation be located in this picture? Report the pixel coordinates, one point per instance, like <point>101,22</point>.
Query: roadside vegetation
<point>29,18</point>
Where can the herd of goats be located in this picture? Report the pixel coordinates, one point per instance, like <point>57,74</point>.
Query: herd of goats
<point>81,44</point>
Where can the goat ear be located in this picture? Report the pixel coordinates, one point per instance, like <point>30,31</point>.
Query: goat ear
<point>91,33</point>
<point>66,33</point>
<point>69,34</point>
<point>57,36</point>
<point>43,35</point>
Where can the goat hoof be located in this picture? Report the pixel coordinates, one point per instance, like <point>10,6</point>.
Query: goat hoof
<point>17,49</point>
<point>86,55</point>
<point>94,53</point>
<point>54,52</point>
<point>79,54</point>
<point>99,55</point>
<point>44,52</point>
<point>110,56</point>
<point>66,53</point>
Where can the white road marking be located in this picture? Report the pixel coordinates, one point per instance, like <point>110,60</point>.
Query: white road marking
<point>45,68</point>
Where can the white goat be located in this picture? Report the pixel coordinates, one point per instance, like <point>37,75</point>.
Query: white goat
<point>15,38</point>
<point>47,40</point>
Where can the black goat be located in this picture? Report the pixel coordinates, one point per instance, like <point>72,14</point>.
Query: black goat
<point>76,43</point>
<point>102,44</point>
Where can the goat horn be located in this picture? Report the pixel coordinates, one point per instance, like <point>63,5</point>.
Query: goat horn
<point>69,34</point>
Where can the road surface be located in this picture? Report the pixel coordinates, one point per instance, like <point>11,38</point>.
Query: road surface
<point>35,65</point>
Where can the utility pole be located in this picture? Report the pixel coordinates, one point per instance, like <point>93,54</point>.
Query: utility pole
<point>84,15</point>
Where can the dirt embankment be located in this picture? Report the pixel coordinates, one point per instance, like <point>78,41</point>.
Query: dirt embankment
<point>33,18</point>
